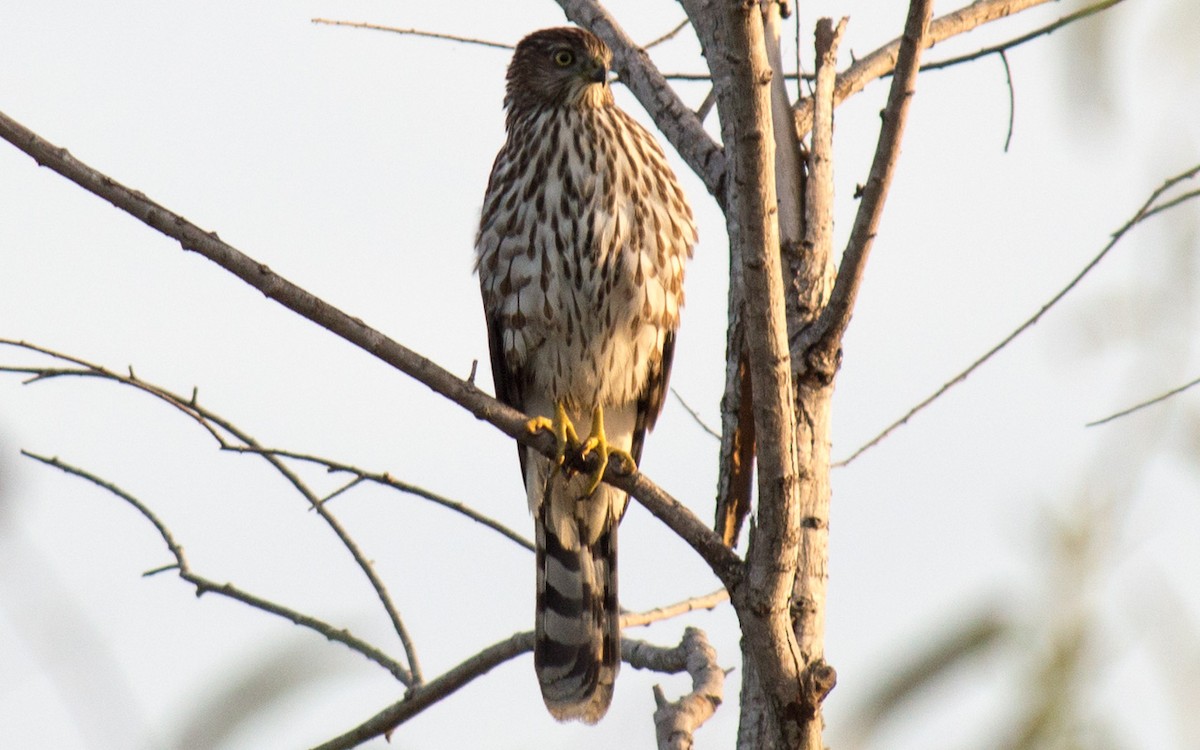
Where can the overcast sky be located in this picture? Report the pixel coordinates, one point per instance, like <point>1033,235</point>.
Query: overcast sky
<point>353,163</point>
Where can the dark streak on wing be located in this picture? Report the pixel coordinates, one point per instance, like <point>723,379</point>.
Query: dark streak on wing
<point>650,404</point>
<point>508,382</point>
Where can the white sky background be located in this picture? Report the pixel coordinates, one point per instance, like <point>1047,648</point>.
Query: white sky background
<point>353,163</point>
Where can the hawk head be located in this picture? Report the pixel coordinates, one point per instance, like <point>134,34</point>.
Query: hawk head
<point>556,68</point>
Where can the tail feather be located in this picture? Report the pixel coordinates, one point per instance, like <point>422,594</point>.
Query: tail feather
<point>577,639</point>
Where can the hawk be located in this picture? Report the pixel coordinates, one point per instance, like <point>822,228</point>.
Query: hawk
<point>581,248</point>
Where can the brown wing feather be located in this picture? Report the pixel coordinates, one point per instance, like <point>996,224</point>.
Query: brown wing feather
<point>509,383</point>
<point>650,405</point>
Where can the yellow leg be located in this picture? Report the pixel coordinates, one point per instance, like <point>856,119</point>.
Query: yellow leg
<point>564,432</point>
<point>599,443</point>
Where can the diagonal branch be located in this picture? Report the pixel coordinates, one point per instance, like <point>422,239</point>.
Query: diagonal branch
<point>387,480</point>
<point>211,421</point>
<point>1151,207</point>
<point>414,32</point>
<point>819,344</point>
<point>638,654</point>
<point>641,619</point>
<point>883,61</point>
<point>205,585</point>
<point>723,561</point>
<point>207,419</point>
<point>1003,47</point>
<point>1144,404</point>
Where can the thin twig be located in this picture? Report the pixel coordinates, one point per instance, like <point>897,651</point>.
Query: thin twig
<point>667,36</point>
<point>387,480</point>
<point>1144,404</point>
<point>210,421</point>
<point>695,414</point>
<point>723,561</point>
<point>641,619</point>
<point>819,343</point>
<point>204,585</point>
<point>637,654</point>
<point>1018,41</point>
<point>1148,209</point>
<point>1012,100</point>
<point>415,32</point>
<point>882,61</point>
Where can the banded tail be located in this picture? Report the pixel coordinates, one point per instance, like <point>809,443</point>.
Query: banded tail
<point>577,629</point>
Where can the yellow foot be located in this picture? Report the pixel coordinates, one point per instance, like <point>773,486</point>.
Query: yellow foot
<point>564,433</point>
<point>598,443</point>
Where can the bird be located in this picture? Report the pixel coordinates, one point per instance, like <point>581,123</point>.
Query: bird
<point>583,236</point>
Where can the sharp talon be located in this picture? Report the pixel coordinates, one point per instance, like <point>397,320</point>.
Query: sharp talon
<point>565,437</point>
<point>597,442</point>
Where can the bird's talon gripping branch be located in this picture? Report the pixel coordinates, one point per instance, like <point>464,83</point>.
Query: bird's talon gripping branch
<point>565,437</point>
<point>597,442</point>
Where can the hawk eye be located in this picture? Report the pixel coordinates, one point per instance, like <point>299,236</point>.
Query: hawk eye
<point>563,58</point>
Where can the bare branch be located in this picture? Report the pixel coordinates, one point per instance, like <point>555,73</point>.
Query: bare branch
<point>637,654</point>
<point>1151,207</point>
<point>204,585</point>
<point>415,32</point>
<point>882,61</point>
<point>641,619</point>
<point>1144,404</point>
<point>819,344</point>
<point>723,561</point>
<point>812,270</point>
<point>695,415</point>
<point>675,723</point>
<point>936,30</point>
<point>207,419</point>
<point>215,424</point>
<point>677,123</point>
<point>669,35</point>
<point>423,696</point>
<point>1018,41</point>
<point>1012,101</point>
<point>387,480</point>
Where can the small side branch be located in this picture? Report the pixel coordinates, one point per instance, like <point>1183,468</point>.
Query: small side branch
<point>1000,49</point>
<point>387,480</point>
<point>676,722</point>
<point>415,32</point>
<point>419,698</point>
<point>883,61</point>
<point>708,601</point>
<point>637,654</point>
<point>205,585</point>
<point>820,343</point>
<point>219,428</point>
<point>1151,207</point>
<point>1144,404</point>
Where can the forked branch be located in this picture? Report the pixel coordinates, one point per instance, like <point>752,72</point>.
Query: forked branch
<point>1151,207</point>
<point>723,561</point>
<point>883,61</point>
<point>206,585</point>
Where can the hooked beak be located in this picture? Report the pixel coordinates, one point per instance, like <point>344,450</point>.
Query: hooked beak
<point>598,71</point>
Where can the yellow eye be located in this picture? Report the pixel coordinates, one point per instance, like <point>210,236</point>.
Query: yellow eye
<point>563,58</point>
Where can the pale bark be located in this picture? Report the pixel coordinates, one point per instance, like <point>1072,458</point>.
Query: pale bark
<point>882,61</point>
<point>733,38</point>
